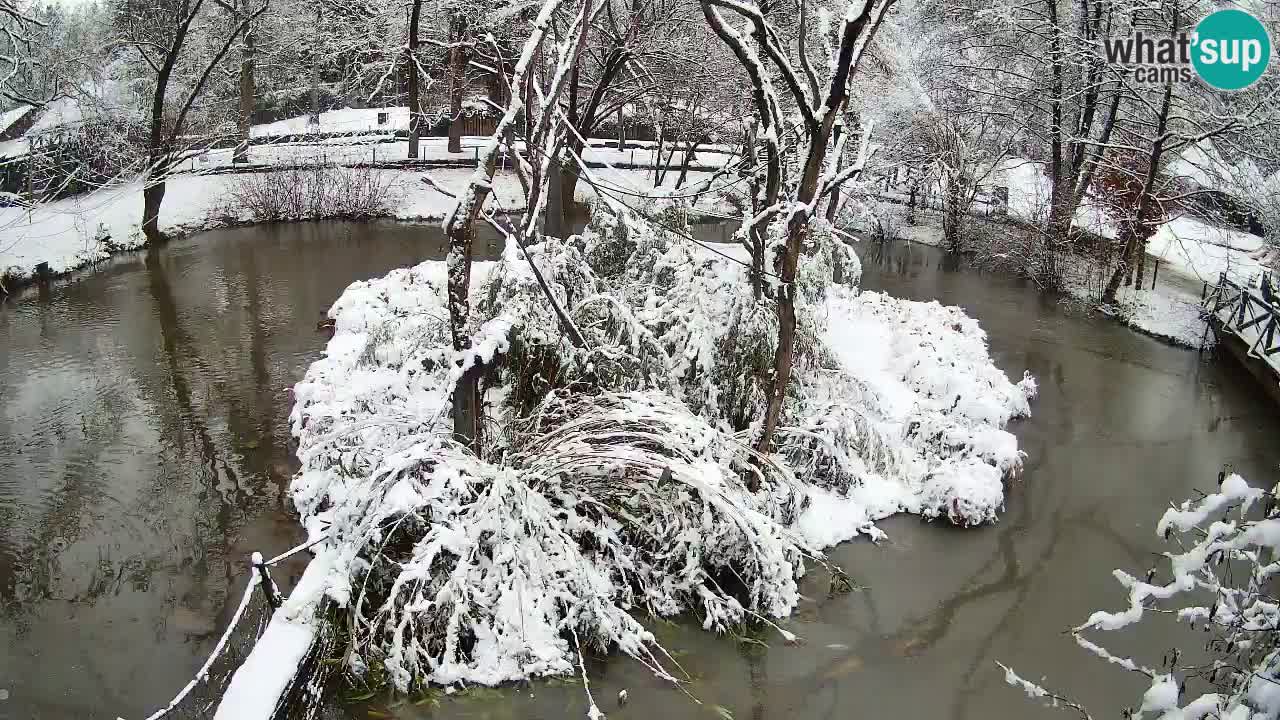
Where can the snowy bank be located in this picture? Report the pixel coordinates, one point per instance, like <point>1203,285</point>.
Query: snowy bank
<point>616,476</point>
<point>72,233</point>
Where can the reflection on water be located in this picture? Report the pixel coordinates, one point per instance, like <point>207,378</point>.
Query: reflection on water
<point>144,453</point>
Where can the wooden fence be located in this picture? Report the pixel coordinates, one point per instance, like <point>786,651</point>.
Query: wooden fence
<point>1248,316</point>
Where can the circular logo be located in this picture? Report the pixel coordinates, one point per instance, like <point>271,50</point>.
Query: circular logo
<point>1232,49</point>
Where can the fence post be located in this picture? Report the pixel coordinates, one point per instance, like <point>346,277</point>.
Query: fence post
<point>269,588</point>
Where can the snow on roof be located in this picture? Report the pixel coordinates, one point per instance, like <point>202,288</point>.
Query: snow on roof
<point>57,114</point>
<point>12,116</point>
<point>61,113</point>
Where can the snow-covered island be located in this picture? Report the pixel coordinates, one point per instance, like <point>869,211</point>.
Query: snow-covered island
<point>616,476</point>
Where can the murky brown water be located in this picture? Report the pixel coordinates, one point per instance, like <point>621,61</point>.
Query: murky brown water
<point>144,453</point>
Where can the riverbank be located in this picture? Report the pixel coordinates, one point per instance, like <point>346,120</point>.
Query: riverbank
<point>1184,254</point>
<point>59,237</point>
<point>56,238</point>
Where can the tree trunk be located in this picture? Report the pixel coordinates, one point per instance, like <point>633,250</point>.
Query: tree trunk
<point>756,238</point>
<point>457,79</point>
<point>152,197</point>
<point>952,218</point>
<point>554,225</point>
<point>415,102</point>
<point>468,409</point>
<point>1128,238</point>
<point>690,154</point>
<point>784,355</point>
<point>1054,240</point>
<point>1138,231</point>
<point>622,130</point>
<point>797,232</point>
<point>569,176</point>
<point>315,72</point>
<point>657,160</point>
<point>834,203</point>
<point>157,154</point>
<point>247,90</point>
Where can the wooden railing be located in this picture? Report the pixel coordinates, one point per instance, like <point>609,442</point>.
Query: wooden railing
<point>1246,313</point>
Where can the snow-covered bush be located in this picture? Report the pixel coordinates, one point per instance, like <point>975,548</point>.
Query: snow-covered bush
<point>312,192</point>
<point>1220,581</point>
<point>458,569</point>
<point>618,477</point>
<point>480,572</point>
<point>880,219</point>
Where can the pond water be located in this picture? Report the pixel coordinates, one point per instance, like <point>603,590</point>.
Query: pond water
<point>144,452</point>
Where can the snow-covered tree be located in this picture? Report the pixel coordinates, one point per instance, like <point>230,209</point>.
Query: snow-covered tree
<point>18,21</point>
<point>789,211</point>
<point>160,32</point>
<point>1157,123</point>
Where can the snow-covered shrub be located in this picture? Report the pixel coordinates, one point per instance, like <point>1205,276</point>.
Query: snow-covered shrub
<point>827,259</point>
<point>459,569</point>
<point>881,220</point>
<point>887,221</point>
<point>1220,581</point>
<point>668,207</point>
<point>312,192</point>
<point>906,393</point>
<point>612,246</point>
<point>618,478</point>
<point>620,353</point>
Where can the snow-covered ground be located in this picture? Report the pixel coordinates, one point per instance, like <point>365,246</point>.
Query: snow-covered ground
<point>1170,311</point>
<point>71,233</point>
<point>76,231</point>
<point>1184,253</point>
